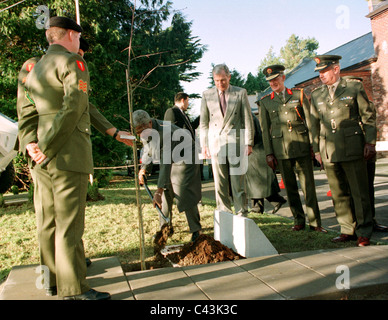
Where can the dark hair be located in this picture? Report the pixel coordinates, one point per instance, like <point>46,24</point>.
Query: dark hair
<point>181,95</point>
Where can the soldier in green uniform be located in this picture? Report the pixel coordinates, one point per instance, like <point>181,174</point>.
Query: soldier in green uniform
<point>284,118</point>
<point>341,145</point>
<point>54,131</point>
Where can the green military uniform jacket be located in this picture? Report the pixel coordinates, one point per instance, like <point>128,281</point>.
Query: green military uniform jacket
<point>335,123</point>
<point>285,124</point>
<point>56,111</point>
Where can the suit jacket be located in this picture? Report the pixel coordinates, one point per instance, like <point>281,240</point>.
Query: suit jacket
<point>341,126</point>
<point>285,124</point>
<point>184,175</point>
<point>216,130</point>
<point>176,116</point>
<point>57,113</point>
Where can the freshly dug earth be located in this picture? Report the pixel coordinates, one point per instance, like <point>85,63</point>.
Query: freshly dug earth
<point>202,251</point>
<point>161,238</point>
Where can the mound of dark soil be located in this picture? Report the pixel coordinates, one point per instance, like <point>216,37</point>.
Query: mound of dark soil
<point>204,250</point>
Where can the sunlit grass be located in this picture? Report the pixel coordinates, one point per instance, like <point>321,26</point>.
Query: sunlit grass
<point>112,229</point>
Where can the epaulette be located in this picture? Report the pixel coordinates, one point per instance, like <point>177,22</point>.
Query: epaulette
<point>297,89</point>
<point>267,95</point>
<point>352,79</point>
<point>317,88</point>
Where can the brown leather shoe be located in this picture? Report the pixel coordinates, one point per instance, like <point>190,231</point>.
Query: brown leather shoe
<point>344,238</point>
<point>298,227</point>
<point>363,241</point>
<point>319,229</point>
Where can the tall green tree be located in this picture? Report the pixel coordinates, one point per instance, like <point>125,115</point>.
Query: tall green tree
<point>107,27</point>
<point>255,84</point>
<point>270,59</point>
<point>296,49</point>
<point>292,53</point>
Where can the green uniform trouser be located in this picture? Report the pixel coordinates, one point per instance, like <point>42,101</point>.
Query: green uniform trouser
<point>345,179</point>
<point>303,167</point>
<point>60,199</point>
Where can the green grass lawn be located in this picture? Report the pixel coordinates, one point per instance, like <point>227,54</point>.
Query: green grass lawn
<point>112,229</point>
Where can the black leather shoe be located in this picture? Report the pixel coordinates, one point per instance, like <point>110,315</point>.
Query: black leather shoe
<point>278,206</point>
<point>195,236</point>
<point>51,291</point>
<point>89,295</point>
<point>380,228</point>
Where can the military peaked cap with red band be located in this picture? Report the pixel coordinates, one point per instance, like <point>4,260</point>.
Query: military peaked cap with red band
<point>65,23</point>
<point>324,61</point>
<point>271,72</point>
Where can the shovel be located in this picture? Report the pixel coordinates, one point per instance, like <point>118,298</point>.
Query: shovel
<point>166,219</point>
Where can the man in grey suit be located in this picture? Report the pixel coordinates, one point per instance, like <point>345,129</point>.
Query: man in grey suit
<point>179,166</point>
<point>177,116</point>
<point>226,133</point>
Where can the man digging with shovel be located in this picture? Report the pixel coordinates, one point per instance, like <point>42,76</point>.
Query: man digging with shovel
<point>179,174</point>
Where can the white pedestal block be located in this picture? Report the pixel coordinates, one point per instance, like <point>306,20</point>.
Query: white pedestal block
<point>242,235</point>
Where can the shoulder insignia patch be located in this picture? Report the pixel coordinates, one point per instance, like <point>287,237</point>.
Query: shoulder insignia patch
<point>30,66</point>
<point>81,65</point>
<point>83,86</point>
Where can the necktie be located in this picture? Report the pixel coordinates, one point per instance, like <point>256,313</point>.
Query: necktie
<point>283,96</point>
<point>223,103</point>
<point>331,91</point>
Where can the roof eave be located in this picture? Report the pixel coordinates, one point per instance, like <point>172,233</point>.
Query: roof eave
<point>377,11</point>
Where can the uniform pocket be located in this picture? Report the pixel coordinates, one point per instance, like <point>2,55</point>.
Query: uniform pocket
<point>84,124</point>
<point>278,142</point>
<point>354,142</point>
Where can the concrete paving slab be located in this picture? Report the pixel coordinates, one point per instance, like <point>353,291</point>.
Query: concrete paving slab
<point>290,279</point>
<point>164,284</point>
<point>21,285</point>
<point>338,268</point>
<point>228,281</point>
<point>293,276</point>
<point>104,274</point>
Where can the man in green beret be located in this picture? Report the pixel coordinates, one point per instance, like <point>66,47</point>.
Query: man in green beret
<point>54,131</point>
<point>343,146</point>
<point>285,119</point>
